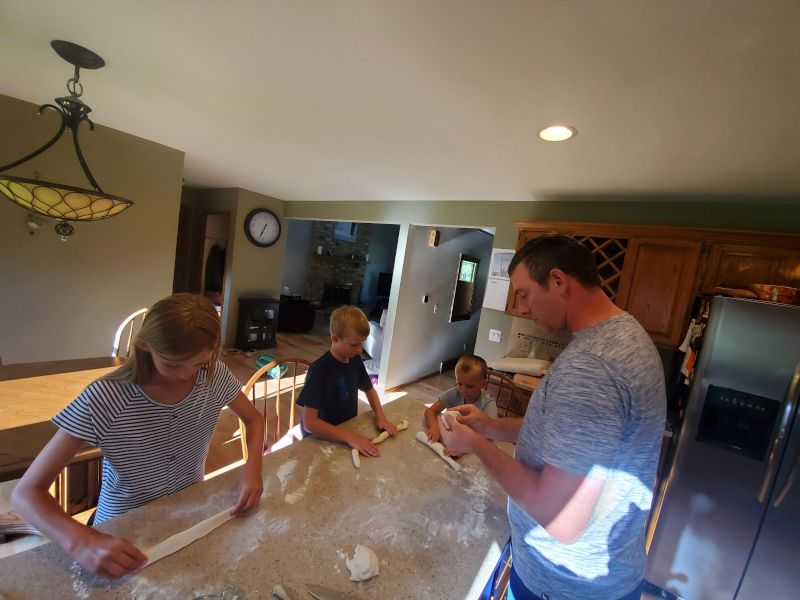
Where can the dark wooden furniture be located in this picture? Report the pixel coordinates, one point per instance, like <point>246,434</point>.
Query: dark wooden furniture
<point>296,315</point>
<point>257,323</point>
<point>655,273</point>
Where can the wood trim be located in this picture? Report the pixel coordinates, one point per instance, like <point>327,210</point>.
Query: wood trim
<point>397,388</point>
<point>657,231</point>
<point>55,367</point>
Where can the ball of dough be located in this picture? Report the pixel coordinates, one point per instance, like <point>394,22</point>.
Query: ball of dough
<point>363,565</point>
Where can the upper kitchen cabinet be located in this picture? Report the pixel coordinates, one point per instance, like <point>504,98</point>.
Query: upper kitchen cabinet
<point>655,272</point>
<point>736,265</point>
<point>658,285</point>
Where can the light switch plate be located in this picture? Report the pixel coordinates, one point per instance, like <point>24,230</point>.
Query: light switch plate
<point>495,335</point>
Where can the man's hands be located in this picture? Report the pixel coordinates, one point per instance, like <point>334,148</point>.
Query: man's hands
<point>459,436</point>
<point>106,555</point>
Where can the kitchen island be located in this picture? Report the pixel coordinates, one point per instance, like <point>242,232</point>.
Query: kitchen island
<point>438,533</point>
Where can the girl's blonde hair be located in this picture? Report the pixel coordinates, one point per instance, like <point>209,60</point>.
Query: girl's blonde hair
<point>177,327</point>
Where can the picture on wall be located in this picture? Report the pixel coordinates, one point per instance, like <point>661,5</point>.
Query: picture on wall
<point>346,231</point>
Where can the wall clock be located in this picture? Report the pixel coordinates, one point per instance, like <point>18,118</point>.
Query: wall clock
<point>262,227</point>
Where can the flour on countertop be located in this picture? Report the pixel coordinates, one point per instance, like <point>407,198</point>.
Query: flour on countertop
<point>293,497</point>
<point>78,584</point>
<point>284,471</point>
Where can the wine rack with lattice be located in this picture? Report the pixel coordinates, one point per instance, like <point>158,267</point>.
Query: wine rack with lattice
<point>609,254</point>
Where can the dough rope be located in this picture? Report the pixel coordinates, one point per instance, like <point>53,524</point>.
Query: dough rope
<point>438,449</point>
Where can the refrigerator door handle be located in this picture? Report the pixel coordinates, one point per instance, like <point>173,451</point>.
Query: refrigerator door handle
<point>788,485</point>
<point>789,406</point>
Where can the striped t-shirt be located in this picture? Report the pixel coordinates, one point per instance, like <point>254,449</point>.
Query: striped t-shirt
<point>149,449</point>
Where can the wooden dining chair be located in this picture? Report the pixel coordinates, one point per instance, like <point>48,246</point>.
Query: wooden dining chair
<point>272,387</point>
<point>126,332</point>
<point>510,400</point>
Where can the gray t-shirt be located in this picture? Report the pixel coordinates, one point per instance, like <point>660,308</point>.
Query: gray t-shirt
<point>485,402</point>
<point>599,412</point>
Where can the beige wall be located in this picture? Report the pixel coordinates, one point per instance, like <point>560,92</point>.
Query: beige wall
<point>65,299</point>
<point>250,270</point>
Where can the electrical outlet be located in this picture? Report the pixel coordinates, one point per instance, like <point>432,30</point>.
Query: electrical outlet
<point>495,335</point>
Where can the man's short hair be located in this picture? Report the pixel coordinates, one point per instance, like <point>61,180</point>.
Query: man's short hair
<point>349,320</point>
<point>557,251</point>
<point>469,363</point>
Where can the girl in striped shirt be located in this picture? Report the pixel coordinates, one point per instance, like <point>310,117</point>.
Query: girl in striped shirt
<point>153,419</point>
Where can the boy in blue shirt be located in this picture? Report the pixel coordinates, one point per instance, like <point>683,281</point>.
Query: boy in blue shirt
<point>330,393</point>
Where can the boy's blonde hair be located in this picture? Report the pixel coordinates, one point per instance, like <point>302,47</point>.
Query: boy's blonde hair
<point>349,320</point>
<point>469,363</point>
<point>177,327</point>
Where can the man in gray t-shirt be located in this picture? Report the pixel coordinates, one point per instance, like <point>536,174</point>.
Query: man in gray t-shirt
<point>581,481</point>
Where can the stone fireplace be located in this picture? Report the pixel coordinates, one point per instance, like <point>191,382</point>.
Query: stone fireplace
<point>336,267</point>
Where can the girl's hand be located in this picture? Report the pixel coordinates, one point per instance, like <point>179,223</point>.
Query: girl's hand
<point>106,555</point>
<point>250,491</point>
<point>364,446</point>
<point>384,424</point>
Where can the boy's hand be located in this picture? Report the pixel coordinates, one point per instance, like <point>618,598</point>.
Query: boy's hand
<point>106,555</point>
<point>386,425</point>
<point>250,490</point>
<point>364,446</point>
<point>433,433</point>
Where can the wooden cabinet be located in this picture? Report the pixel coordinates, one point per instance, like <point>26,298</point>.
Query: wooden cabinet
<point>658,285</point>
<point>655,273</point>
<point>737,265</point>
<point>257,324</point>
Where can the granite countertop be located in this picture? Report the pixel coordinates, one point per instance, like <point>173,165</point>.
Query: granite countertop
<point>437,533</point>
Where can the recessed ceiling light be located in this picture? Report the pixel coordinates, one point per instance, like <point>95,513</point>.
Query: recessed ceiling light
<point>557,133</point>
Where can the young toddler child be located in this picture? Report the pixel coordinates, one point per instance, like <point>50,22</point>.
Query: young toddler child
<point>472,377</point>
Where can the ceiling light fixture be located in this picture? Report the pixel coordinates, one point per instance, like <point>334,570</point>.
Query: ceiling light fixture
<point>558,133</point>
<point>65,202</point>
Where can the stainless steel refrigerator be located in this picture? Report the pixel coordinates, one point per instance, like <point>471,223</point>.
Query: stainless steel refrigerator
<point>728,517</point>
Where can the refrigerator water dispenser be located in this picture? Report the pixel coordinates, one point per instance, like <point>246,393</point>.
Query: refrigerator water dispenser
<point>737,421</point>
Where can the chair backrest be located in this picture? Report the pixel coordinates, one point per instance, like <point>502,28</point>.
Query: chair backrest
<point>511,401</point>
<point>126,331</point>
<point>274,389</point>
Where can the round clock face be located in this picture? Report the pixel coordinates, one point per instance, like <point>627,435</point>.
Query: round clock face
<point>262,227</point>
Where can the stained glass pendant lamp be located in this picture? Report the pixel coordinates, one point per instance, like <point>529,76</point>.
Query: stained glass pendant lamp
<point>65,202</point>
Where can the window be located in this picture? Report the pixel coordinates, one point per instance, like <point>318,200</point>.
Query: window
<point>464,293</point>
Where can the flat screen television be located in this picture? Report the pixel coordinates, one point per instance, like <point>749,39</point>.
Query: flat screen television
<point>384,284</point>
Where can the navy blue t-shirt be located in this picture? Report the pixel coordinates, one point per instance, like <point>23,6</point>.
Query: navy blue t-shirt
<point>332,388</point>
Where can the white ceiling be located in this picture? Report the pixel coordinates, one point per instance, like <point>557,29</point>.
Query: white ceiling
<point>438,99</point>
